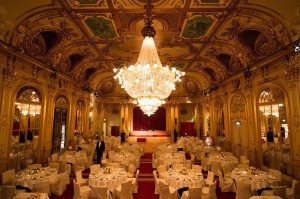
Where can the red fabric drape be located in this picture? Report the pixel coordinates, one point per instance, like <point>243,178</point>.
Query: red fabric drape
<point>187,129</point>
<point>142,122</point>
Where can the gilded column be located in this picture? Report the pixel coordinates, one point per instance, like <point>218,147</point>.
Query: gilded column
<point>6,116</point>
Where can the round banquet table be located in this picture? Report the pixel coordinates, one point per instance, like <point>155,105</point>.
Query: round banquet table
<point>110,179</point>
<point>29,177</point>
<point>184,178</point>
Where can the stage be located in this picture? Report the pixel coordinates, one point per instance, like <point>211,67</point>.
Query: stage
<point>149,134</point>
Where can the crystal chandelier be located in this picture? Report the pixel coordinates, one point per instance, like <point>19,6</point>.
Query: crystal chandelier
<point>147,80</point>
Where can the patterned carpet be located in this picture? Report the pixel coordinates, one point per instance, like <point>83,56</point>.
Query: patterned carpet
<point>145,182</point>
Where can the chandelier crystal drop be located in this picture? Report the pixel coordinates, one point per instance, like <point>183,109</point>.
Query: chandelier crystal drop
<point>147,80</point>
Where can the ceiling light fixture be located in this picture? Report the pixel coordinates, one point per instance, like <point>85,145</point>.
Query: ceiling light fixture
<point>148,81</point>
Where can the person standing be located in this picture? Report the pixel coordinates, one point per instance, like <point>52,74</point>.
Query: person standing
<point>100,148</point>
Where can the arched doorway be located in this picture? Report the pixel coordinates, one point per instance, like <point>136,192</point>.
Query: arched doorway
<point>59,124</point>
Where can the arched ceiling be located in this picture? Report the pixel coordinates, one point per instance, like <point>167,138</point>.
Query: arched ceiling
<point>211,40</point>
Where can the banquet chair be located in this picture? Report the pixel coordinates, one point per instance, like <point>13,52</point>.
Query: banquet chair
<point>192,193</point>
<point>177,166</point>
<point>294,191</point>
<point>81,192</point>
<point>7,191</point>
<point>54,157</point>
<point>243,166</point>
<point>215,166</point>
<point>243,190</point>
<point>124,191</point>
<point>100,192</point>
<point>79,165</point>
<point>54,165</point>
<point>161,170</point>
<point>276,191</point>
<point>276,174</point>
<point>204,163</point>
<point>154,161</point>
<point>114,164</point>
<point>41,187</point>
<point>156,190</point>
<point>95,168</point>
<point>81,181</point>
<point>64,166</point>
<point>34,166</point>
<point>166,191</point>
<point>197,168</point>
<point>226,184</point>
<point>210,178</point>
<point>244,160</point>
<point>131,170</point>
<point>60,186</point>
<point>227,169</point>
<point>135,182</point>
<point>210,191</point>
<point>8,177</point>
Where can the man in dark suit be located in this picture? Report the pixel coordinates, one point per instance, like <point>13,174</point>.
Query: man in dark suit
<point>100,148</point>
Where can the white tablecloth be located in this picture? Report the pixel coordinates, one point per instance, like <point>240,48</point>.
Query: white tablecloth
<point>111,179</point>
<point>29,177</point>
<point>72,156</point>
<point>258,179</point>
<point>265,197</point>
<point>184,178</point>
<point>31,195</point>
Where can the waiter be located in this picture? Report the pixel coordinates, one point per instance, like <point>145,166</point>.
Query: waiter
<point>100,148</point>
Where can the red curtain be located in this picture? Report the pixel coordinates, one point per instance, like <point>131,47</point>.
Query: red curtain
<point>142,122</point>
<point>187,129</point>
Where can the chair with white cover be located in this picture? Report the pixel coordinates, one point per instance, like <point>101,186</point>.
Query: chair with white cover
<point>276,174</point>
<point>226,184</point>
<point>204,163</point>
<point>81,181</point>
<point>161,170</point>
<point>294,191</point>
<point>210,191</point>
<point>124,191</point>
<point>135,182</point>
<point>61,185</point>
<point>7,191</point>
<point>210,178</point>
<point>54,165</point>
<point>156,190</point>
<point>63,166</point>
<point>192,193</point>
<point>95,168</point>
<point>177,166</point>
<point>166,191</point>
<point>79,165</point>
<point>276,191</point>
<point>244,160</point>
<point>227,169</point>
<point>243,166</point>
<point>34,166</point>
<point>41,187</point>
<point>131,170</point>
<point>54,157</point>
<point>243,190</point>
<point>8,177</point>
<point>81,192</point>
<point>215,166</point>
<point>154,161</point>
<point>197,168</point>
<point>100,192</point>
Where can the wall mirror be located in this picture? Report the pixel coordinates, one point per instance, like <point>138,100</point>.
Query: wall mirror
<point>274,129</point>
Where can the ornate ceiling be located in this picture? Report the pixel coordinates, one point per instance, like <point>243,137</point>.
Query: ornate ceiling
<point>211,40</point>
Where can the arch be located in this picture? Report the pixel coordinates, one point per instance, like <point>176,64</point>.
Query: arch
<point>61,101</point>
<point>30,94</point>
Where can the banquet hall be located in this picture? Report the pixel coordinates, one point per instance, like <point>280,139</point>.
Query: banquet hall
<point>167,85</point>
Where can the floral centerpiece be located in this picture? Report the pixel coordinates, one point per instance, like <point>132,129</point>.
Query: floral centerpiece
<point>35,170</point>
<point>108,170</point>
<point>34,196</point>
<point>184,171</point>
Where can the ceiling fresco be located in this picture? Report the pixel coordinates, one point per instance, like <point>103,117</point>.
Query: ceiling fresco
<point>211,40</point>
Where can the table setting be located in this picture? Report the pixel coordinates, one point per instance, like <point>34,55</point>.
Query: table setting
<point>184,178</point>
<point>110,177</point>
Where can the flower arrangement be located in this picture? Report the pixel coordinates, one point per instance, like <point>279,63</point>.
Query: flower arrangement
<point>34,196</point>
<point>35,170</point>
<point>184,171</point>
<point>107,170</point>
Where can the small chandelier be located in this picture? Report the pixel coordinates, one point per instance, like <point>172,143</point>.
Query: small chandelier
<point>147,80</point>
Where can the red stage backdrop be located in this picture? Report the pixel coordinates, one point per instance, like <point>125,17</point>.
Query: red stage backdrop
<point>142,122</point>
